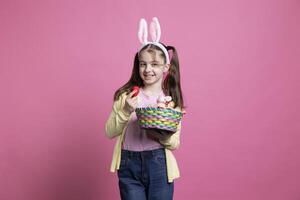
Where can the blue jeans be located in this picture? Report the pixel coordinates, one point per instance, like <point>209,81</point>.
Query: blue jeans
<point>143,176</point>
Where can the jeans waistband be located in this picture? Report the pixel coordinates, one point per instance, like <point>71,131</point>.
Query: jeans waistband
<point>160,151</point>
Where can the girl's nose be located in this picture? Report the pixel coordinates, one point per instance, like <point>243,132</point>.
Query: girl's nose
<point>148,67</point>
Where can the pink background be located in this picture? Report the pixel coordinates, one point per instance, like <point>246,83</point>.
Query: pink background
<point>61,61</point>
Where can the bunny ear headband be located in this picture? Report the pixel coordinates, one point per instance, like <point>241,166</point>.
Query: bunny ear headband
<point>155,35</point>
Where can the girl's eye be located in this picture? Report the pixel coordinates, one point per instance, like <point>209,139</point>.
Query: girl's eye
<point>142,64</point>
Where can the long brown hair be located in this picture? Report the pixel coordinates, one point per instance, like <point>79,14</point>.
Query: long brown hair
<point>171,84</point>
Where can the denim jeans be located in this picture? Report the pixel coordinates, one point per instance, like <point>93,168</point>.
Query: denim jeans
<point>143,176</point>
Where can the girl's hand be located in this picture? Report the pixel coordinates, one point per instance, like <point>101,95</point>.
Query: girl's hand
<point>130,102</point>
<point>171,104</point>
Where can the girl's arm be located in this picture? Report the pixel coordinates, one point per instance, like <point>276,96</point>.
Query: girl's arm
<point>118,118</point>
<point>173,141</point>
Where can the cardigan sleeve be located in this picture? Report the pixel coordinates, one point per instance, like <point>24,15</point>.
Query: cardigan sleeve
<point>118,118</point>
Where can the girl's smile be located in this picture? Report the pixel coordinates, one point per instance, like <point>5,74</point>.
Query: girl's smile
<point>148,76</point>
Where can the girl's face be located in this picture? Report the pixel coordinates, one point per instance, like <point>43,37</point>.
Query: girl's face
<point>152,67</point>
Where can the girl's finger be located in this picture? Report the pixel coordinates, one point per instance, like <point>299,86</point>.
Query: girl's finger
<point>131,93</point>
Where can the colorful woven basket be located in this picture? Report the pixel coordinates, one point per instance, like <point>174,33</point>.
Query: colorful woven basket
<point>160,118</point>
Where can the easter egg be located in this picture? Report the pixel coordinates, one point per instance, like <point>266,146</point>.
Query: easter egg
<point>136,89</point>
<point>168,98</point>
<point>161,99</point>
<point>161,105</point>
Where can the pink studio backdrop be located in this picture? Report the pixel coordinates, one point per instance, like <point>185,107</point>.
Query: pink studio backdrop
<point>61,61</point>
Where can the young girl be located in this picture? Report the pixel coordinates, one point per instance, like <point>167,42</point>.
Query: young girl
<point>145,164</point>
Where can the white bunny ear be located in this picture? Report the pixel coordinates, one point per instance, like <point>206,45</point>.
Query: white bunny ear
<point>143,32</point>
<point>155,30</point>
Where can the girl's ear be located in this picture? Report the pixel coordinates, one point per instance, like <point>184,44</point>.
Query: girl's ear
<point>166,68</point>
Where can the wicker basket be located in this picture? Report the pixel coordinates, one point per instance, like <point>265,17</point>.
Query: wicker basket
<point>158,118</point>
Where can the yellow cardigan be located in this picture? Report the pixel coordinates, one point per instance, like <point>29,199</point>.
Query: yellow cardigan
<point>116,127</point>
